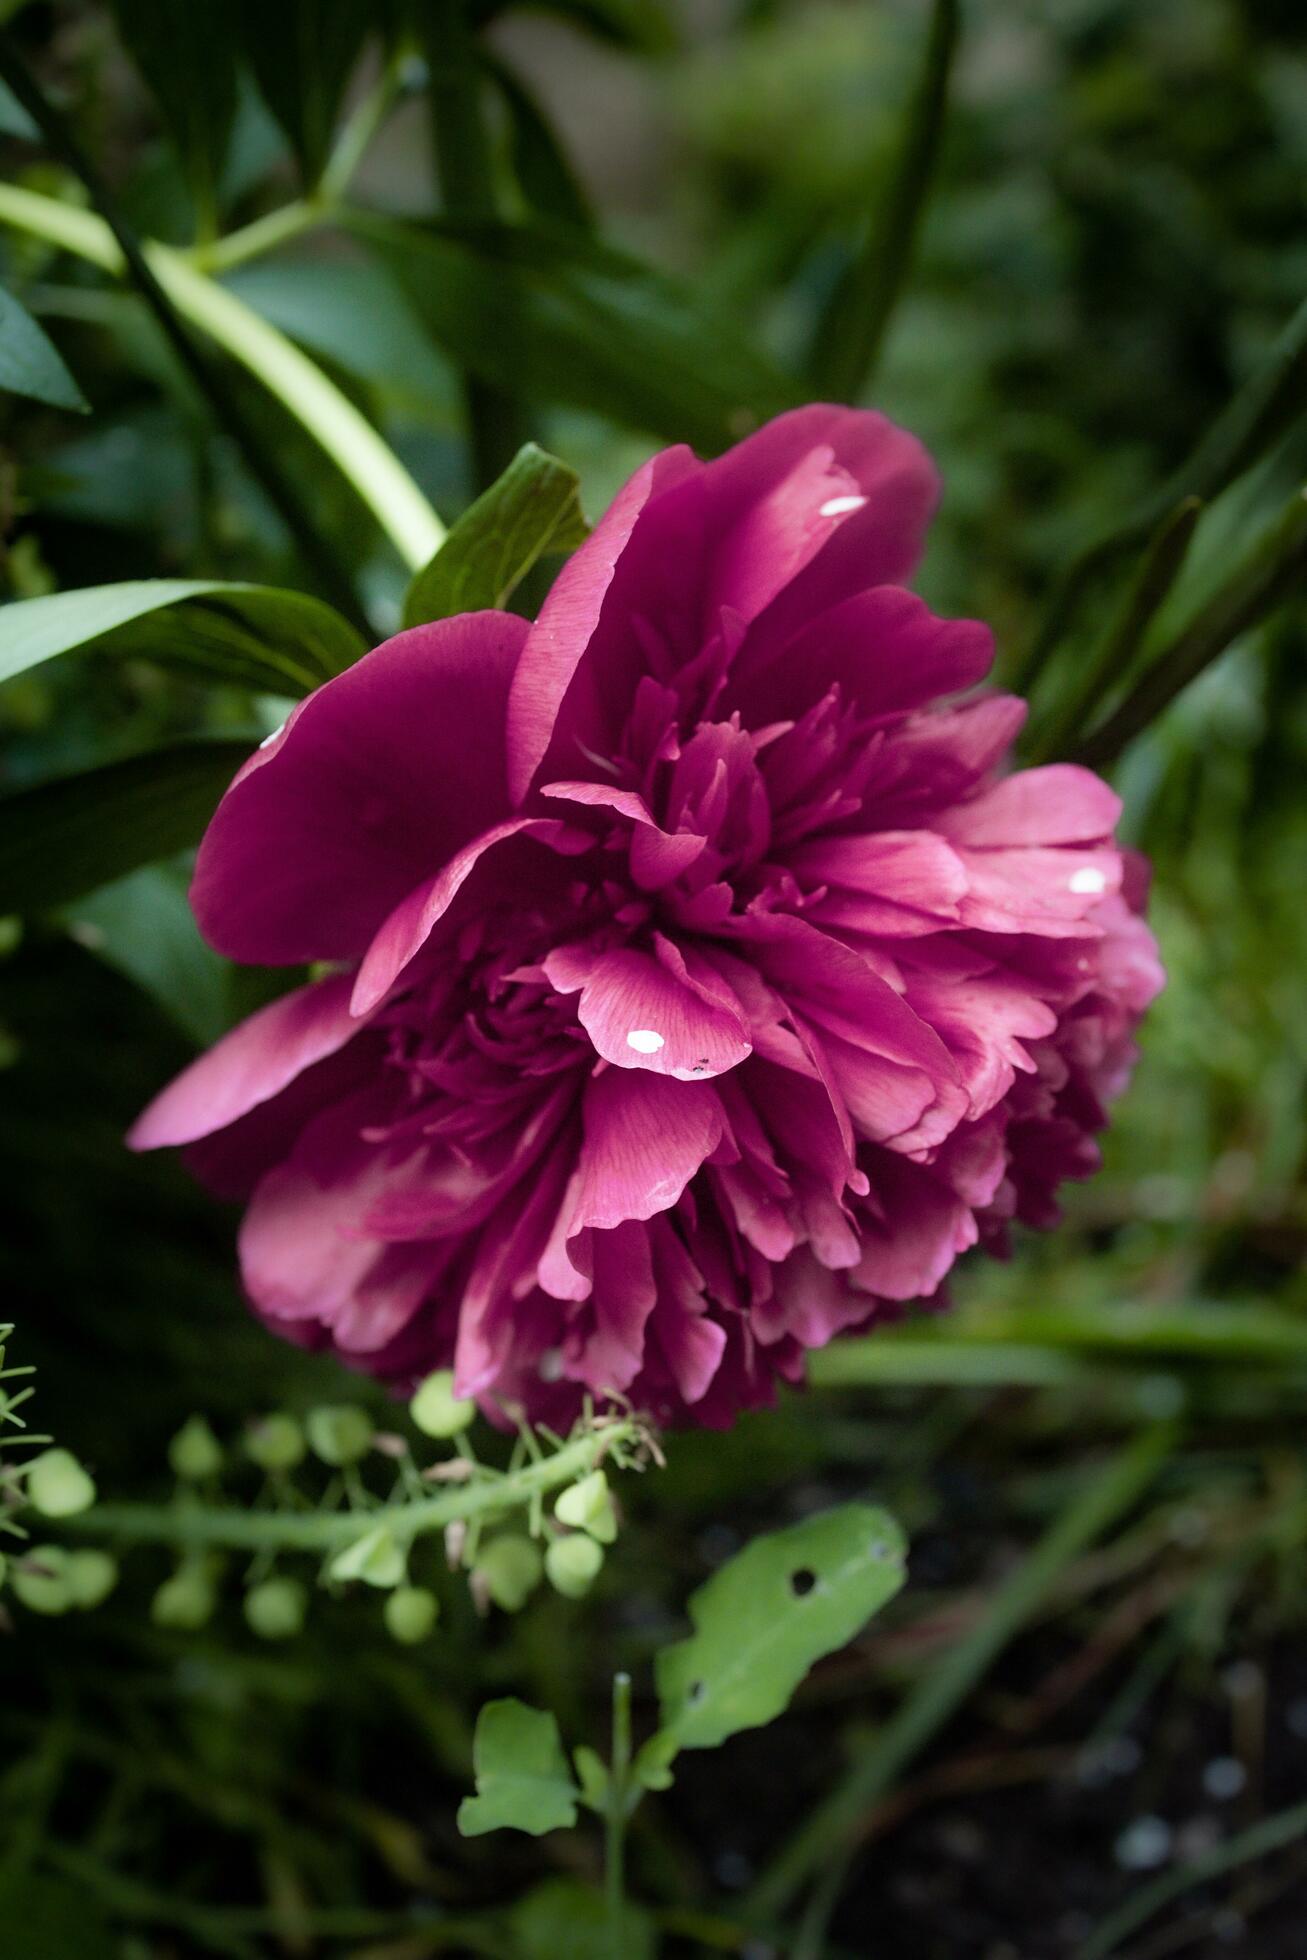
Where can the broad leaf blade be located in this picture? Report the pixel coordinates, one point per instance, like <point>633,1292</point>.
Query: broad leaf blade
<point>764,1619</point>
<point>71,836</point>
<point>547,312</point>
<point>256,636</point>
<point>562,1916</point>
<point>143,926</point>
<point>30,364</point>
<point>533,509</point>
<point>303,53</point>
<point>523,1782</point>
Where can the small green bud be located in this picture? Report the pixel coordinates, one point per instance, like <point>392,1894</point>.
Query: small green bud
<point>588,1506</point>
<point>275,1608</point>
<point>436,1409</point>
<point>185,1602</point>
<point>573,1563</point>
<point>374,1558</point>
<point>41,1580</point>
<point>410,1613</point>
<point>275,1442</point>
<point>510,1568</point>
<point>339,1435</point>
<point>91,1577</point>
<point>57,1485</point>
<point>195,1452</point>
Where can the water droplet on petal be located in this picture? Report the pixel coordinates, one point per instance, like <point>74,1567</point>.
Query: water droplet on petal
<point>839,506</point>
<point>645,1041</point>
<point>1088,879</point>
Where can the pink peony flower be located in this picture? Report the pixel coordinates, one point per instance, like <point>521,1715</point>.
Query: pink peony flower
<point>701,986</point>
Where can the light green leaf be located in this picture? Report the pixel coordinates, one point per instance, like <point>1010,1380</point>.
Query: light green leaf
<point>255,636</point>
<point>534,508</point>
<point>143,926</point>
<point>562,1916</point>
<point>30,364</point>
<point>67,837</point>
<point>762,1621</point>
<point>523,1782</point>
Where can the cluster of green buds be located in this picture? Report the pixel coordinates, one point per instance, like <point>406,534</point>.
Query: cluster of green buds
<point>50,1485</point>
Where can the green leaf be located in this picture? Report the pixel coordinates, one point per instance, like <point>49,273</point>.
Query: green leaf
<point>523,1782</point>
<point>303,53</point>
<point>30,363</point>
<point>545,311</point>
<point>643,26</point>
<point>143,926</point>
<point>186,54</point>
<point>764,1618</point>
<point>255,636</point>
<point>562,1916</point>
<point>51,1919</point>
<point>534,508</point>
<point>541,166</point>
<point>69,836</point>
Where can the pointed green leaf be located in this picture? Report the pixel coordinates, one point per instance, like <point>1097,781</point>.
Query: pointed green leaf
<point>532,509</point>
<point>186,54</point>
<point>303,53</point>
<point>142,925</point>
<point>70,836</point>
<point>762,1621</point>
<point>541,165</point>
<point>255,636</point>
<point>30,364</point>
<point>523,1782</point>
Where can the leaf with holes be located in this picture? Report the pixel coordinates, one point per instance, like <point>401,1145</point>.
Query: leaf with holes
<point>531,510</point>
<point>255,636</point>
<point>761,1622</point>
<point>523,1782</point>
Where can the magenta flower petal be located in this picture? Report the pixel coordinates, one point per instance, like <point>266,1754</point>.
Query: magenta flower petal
<point>713,980</point>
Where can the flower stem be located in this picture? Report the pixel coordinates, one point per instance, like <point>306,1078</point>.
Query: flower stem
<point>615,1819</point>
<point>230,1528</point>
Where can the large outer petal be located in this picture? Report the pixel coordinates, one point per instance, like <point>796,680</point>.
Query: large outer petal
<point>376,780</point>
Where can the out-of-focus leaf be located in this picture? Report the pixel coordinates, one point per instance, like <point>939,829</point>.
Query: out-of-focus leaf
<point>143,926</point>
<point>257,636</point>
<point>49,1919</point>
<point>645,26</point>
<point>576,321</point>
<point>30,364</point>
<point>14,119</point>
<point>523,1782</point>
<point>766,1616</point>
<point>186,54</point>
<point>79,832</point>
<point>564,1916</point>
<point>543,170</point>
<point>534,508</point>
<point>303,53</point>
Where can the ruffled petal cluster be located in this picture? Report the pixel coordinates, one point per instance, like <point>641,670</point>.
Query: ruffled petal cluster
<point>700,982</point>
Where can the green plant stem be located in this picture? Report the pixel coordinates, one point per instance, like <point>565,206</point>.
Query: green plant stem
<point>496,424</point>
<point>615,1816</point>
<point>160,296</point>
<point>1271,1834</point>
<point>265,234</point>
<point>328,415</point>
<point>829,1832</point>
<point>853,326</point>
<point>1272,572</point>
<point>193,1525</point>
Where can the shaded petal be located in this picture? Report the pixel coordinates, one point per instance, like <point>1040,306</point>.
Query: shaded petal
<point>1057,804</point>
<point>380,775</point>
<point>639,1015</point>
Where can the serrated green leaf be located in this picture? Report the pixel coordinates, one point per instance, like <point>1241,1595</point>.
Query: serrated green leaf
<point>30,363</point>
<point>523,1782</point>
<point>255,636</point>
<point>549,312</point>
<point>303,53</point>
<point>70,836</point>
<point>533,508</point>
<point>762,1621</point>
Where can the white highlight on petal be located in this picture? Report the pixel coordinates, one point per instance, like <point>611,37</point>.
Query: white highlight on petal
<point>838,506</point>
<point>1088,879</point>
<point>645,1041</point>
<point>268,740</point>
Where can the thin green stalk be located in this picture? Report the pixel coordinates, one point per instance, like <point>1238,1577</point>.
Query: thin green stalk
<point>361,455</point>
<point>1272,572</point>
<point>1112,660</point>
<point>829,1832</point>
<point>852,329</point>
<point>496,424</point>
<point>265,234</point>
<point>230,1528</point>
<point>1259,1841</point>
<point>615,1816</point>
<point>144,272</point>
